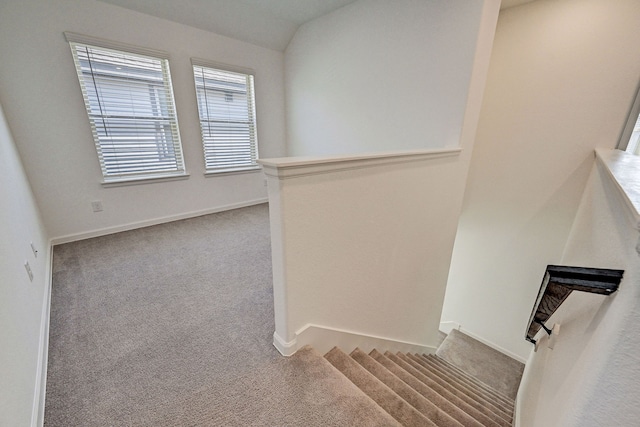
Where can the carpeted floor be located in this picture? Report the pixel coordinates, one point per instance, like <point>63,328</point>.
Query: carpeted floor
<point>172,325</point>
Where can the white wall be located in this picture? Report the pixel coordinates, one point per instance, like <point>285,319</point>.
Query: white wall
<point>44,105</point>
<point>590,378</point>
<point>380,75</point>
<point>362,243</point>
<point>21,300</point>
<point>562,77</point>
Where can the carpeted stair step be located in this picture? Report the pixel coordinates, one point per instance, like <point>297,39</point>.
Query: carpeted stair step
<point>452,393</point>
<point>423,405</point>
<point>399,409</point>
<point>465,394</point>
<point>423,390</point>
<point>458,373</point>
<point>464,381</point>
<point>493,368</point>
<point>471,389</point>
<point>455,407</point>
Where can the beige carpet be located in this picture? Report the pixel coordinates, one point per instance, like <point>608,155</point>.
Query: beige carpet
<point>490,366</point>
<point>172,325</point>
<point>424,390</point>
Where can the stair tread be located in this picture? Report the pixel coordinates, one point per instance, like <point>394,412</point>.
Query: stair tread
<point>422,390</point>
<point>471,388</point>
<point>463,391</point>
<point>502,372</point>
<point>464,413</point>
<point>460,399</point>
<point>469,378</point>
<point>402,411</point>
<point>415,399</point>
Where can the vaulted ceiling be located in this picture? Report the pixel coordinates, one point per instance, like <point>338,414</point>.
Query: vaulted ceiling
<point>267,23</point>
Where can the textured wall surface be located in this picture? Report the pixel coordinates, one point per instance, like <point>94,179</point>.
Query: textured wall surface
<point>58,151</point>
<point>367,249</point>
<point>21,300</point>
<point>380,76</point>
<point>590,378</point>
<point>560,84</point>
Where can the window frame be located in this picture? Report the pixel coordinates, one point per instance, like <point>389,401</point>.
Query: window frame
<point>253,166</point>
<point>178,169</point>
<point>632,119</point>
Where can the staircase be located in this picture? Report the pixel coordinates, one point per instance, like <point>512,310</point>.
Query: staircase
<point>427,390</point>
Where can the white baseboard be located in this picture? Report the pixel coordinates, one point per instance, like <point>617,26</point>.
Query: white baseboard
<point>285,348</point>
<point>146,223</point>
<point>448,326</point>
<point>37,413</point>
<point>323,339</point>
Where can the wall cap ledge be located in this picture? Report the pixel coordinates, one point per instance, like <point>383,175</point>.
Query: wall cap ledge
<point>624,170</point>
<point>291,167</point>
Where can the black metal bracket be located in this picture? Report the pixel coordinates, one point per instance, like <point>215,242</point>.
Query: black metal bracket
<point>558,283</point>
<point>547,330</point>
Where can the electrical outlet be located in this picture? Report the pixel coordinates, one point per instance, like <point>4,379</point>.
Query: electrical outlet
<point>33,248</point>
<point>97,206</point>
<point>28,268</point>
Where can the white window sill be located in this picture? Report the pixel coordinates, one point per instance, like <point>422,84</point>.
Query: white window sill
<point>231,171</point>
<point>624,169</point>
<point>143,180</point>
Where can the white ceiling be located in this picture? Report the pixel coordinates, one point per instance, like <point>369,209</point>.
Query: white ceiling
<point>267,23</point>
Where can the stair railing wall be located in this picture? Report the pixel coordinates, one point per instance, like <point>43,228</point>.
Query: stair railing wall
<point>361,245</point>
<point>586,374</point>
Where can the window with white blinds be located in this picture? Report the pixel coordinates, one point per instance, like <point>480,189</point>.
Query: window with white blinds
<point>129,100</point>
<point>226,104</point>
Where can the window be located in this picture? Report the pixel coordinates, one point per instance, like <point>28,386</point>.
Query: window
<point>634,141</point>
<point>129,100</point>
<point>227,118</point>
<point>630,139</point>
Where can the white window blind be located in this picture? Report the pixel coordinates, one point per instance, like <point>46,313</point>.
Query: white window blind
<point>226,103</point>
<point>129,100</point>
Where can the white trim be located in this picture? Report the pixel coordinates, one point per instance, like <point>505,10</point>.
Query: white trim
<point>285,348</point>
<point>133,225</point>
<point>292,167</point>
<point>124,181</point>
<point>199,62</point>
<point>624,170</point>
<point>37,413</point>
<point>516,411</point>
<point>323,339</point>
<point>634,111</point>
<point>225,172</point>
<point>524,383</point>
<point>109,44</point>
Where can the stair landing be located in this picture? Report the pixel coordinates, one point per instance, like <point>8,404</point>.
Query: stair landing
<point>482,362</point>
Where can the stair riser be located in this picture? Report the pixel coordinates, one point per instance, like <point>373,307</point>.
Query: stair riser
<point>461,392</point>
<point>422,391</point>
<point>462,375</point>
<point>450,404</point>
<point>424,406</point>
<point>462,385</point>
<point>460,399</point>
<point>399,409</point>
